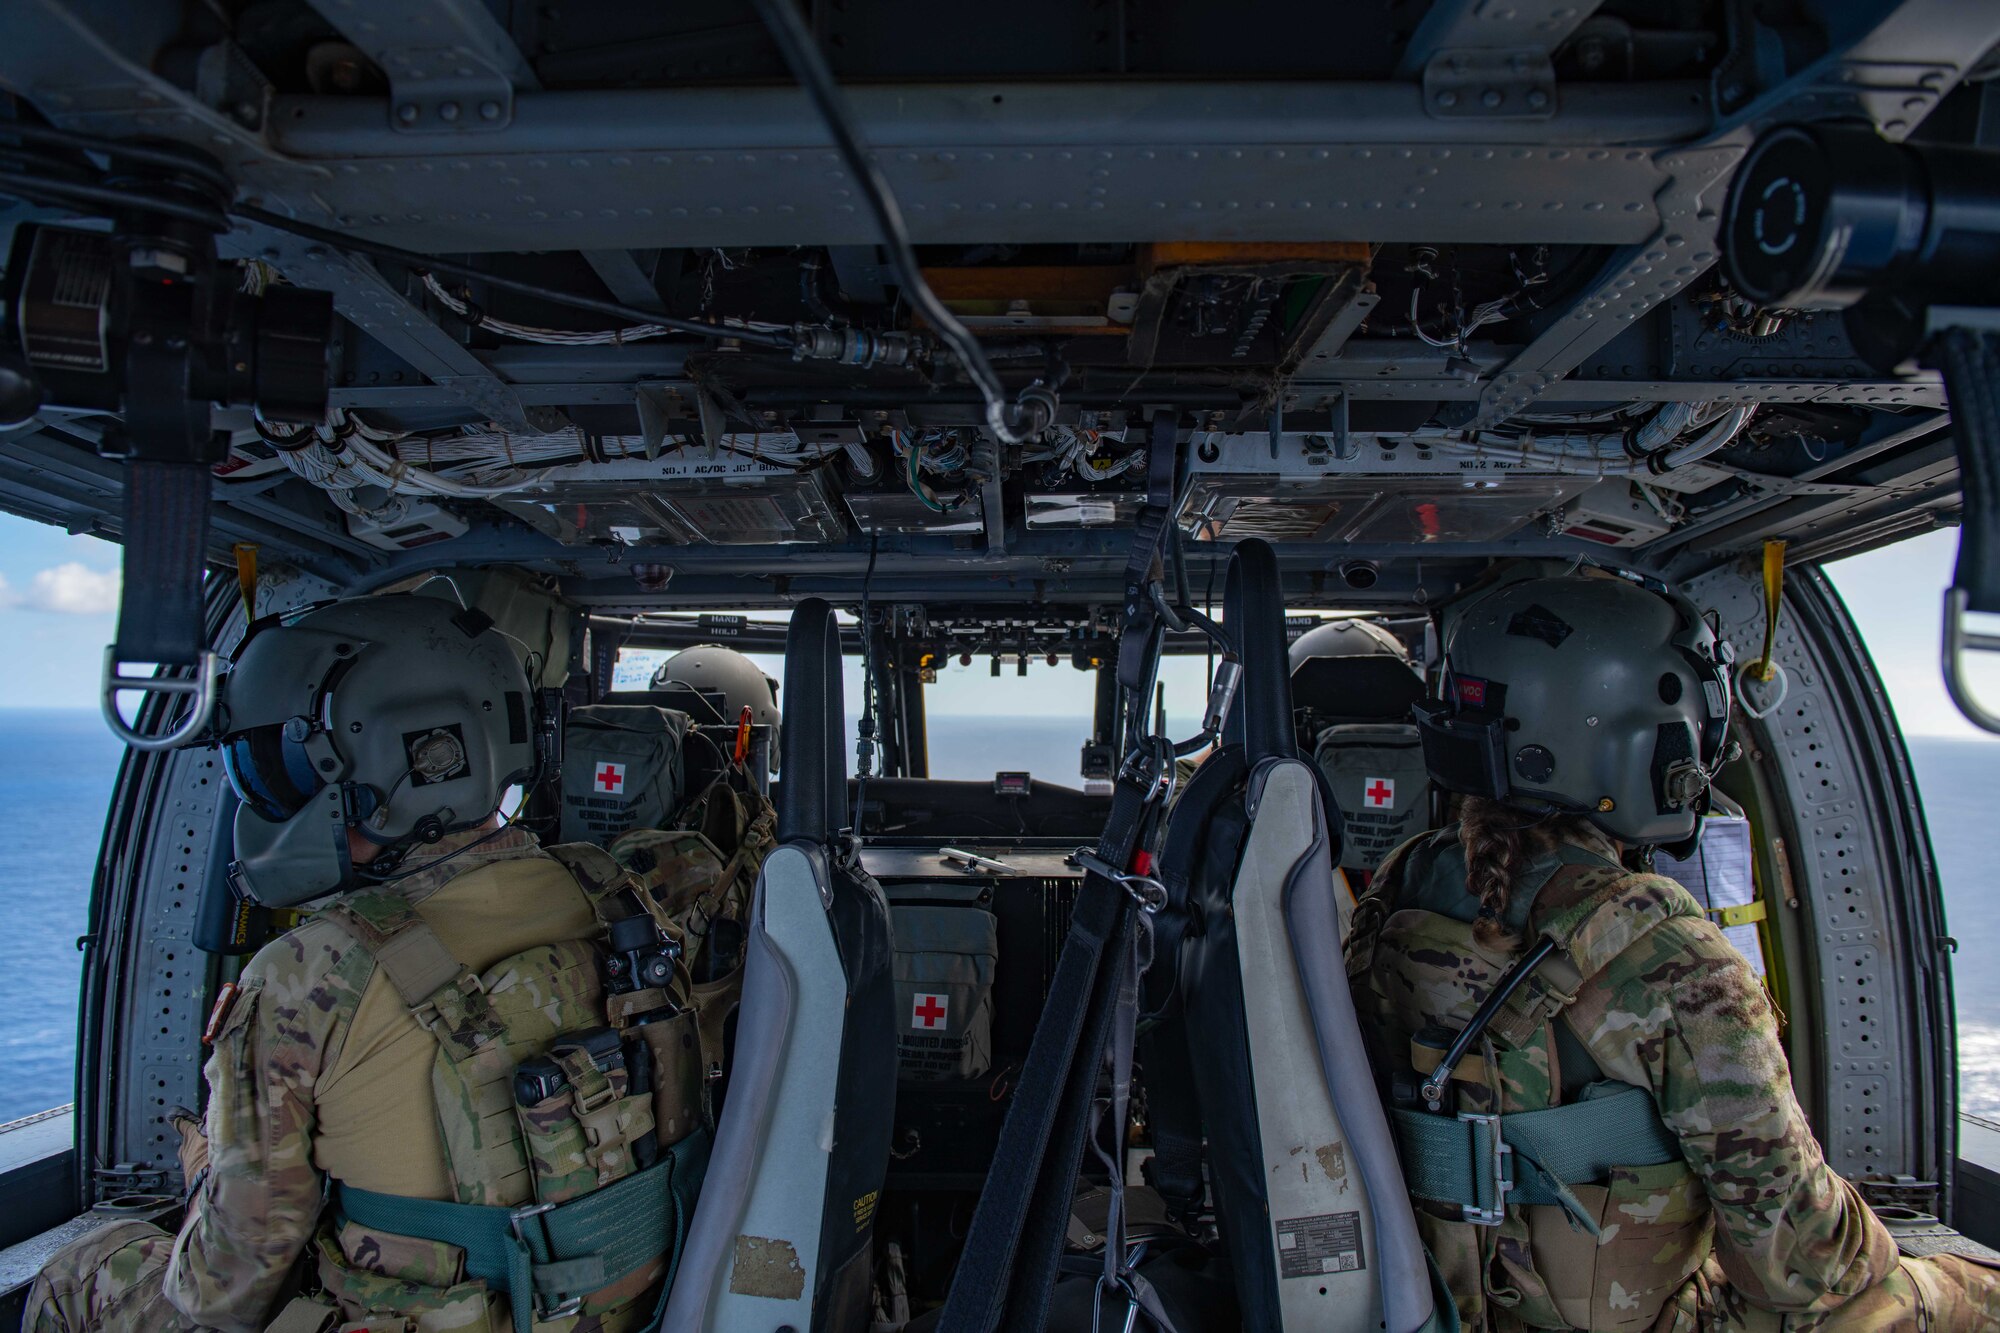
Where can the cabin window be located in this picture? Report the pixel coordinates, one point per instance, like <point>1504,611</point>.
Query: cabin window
<point>1895,595</point>
<point>58,762</point>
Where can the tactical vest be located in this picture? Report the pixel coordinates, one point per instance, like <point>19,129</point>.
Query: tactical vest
<point>1550,1196</point>
<point>703,875</point>
<point>570,1120</point>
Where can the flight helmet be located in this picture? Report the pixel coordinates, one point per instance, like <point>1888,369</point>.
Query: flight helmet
<point>711,669</point>
<point>396,716</point>
<point>1352,671</point>
<point>1586,694</point>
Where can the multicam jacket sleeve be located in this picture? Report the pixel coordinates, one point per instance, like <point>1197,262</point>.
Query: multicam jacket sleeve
<point>1678,1011</point>
<point>257,1208</point>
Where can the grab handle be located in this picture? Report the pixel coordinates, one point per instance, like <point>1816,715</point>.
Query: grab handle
<point>202,685</point>
<point>1957,640</point>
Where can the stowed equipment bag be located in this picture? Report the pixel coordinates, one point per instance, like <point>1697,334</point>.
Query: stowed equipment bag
<point>945,960</point>
<point>567,1097</point>
<point>1376,773</point>
<point>621,769</point>
<point>702,876</point>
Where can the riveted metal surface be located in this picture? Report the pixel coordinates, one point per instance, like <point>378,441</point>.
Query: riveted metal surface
<point>1861,979</point>
<point>1474,25</point>
<point>1915,49</point>
<point>1024,163</point>
<point>452,68</point>
<point>1516,85</point>
<point>1029,193</point>
<point>1806,343</point>
<point>1680,250</point>
<point>165,991</point>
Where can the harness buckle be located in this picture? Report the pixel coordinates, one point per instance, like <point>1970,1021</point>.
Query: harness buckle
<point>1492,1167</point>
<point>515,1219</point>
<point>574,1305</point>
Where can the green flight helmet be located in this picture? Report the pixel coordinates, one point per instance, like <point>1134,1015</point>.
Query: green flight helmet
<point>396,716</point>
<point>1352,671</point>
<point>709,669</point>
<point>1587,694</point>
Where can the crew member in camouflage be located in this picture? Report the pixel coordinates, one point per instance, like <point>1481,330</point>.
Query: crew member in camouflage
<point>375,1045</point>
<point>1754,1231</point>
<point>318,1070</point>
<point>1580,719</point>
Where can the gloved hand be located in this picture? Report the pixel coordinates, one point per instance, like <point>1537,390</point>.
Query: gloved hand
<point>193,1147</point>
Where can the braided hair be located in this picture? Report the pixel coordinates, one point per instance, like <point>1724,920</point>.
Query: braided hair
<point>1500,842</point>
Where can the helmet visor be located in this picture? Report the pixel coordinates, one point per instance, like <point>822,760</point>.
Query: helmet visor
<point>270,772</point>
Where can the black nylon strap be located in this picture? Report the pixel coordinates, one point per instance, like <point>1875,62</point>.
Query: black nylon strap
<point>1006,1274</point>
<point>166,546</point>
<point>1970,361</point>
<point>1173,1118</point>
<point>1009,1259</point>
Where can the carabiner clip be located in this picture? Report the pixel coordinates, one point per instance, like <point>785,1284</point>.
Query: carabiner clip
<point>1131,1299</point>
<point>1151,765</point>
<point>1147,892</point>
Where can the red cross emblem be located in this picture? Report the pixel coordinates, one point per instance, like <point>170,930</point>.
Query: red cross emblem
<point>1380,793</point>
<point>611,778</point>
<point>928,1011</point>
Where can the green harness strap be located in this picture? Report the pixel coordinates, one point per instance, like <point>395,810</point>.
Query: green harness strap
<point>548,1257</point>
<point>1485,1162</point>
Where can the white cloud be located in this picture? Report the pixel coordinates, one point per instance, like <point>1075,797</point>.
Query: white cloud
<point>71,589</point>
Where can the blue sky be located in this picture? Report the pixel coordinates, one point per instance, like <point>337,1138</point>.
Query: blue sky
<point>58,596</point>
<point>58,599</point>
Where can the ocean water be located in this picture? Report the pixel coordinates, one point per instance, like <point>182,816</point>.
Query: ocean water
<point>56,773</point>
<point>57,769</point>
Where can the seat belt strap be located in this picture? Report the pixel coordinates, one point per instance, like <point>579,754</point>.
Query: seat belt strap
<point>548,1257</point>
<point>1041,1140</point>
<point>166,548</point>
<point>1484,1163</point>
<point>1172,1118</point>
<point>1014,1245</point>
<point>1119,1280</point>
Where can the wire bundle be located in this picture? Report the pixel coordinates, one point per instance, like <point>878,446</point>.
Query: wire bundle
<point>478,318</point>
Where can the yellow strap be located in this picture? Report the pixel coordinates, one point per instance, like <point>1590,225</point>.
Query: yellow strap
<point>1746,915</point>
<point>1774,593</point>
<point>1470,1069</point>
<point>246,578</point>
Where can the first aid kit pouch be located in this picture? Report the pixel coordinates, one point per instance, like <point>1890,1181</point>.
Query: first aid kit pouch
<point>1376,771</point>
<point>945,961</point>
<point>621,770</point>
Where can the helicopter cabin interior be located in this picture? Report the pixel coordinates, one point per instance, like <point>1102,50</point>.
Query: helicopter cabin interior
<point>1000,333</point>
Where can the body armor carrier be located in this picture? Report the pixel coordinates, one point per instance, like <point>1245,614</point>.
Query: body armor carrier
<point>1551,1195</point>
<point>567,1083</point>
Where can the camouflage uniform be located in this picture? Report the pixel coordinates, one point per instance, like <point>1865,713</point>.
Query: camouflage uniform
<point>319,1070</point>
<point>1752,1230</point>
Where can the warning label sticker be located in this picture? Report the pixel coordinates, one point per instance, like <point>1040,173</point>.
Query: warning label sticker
<point>1311,1246</point>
